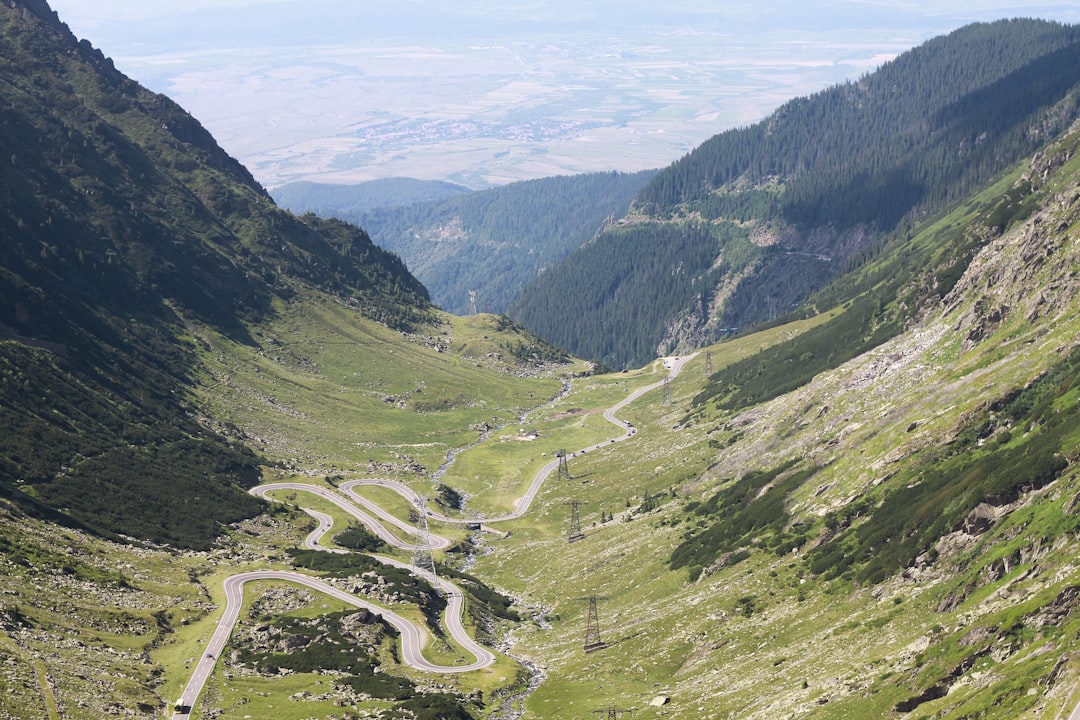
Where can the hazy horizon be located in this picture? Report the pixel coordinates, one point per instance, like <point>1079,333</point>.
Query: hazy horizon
<point>482,93</point>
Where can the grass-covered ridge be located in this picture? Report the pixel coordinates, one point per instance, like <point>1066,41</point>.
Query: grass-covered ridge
<point>896,534</point>
<point>124,222</point>
<point>326,388</point>
<point>798,558</point>
<point>985,466</point>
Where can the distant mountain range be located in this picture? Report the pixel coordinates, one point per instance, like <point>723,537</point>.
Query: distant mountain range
<point>489,244</point>
<point>862,502</point>
<point>749,226</point>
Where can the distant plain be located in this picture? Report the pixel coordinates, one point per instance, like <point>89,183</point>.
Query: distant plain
<point>483,94</point>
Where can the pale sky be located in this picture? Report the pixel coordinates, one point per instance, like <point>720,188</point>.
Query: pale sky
<point>485,92</point>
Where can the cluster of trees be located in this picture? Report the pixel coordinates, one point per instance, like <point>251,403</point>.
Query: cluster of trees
<point>123,221</point>
<point>612,300</point>
<point>494,602</point>
<point>528,348</point>
<point>495,242</point>
<point>325,648</point>
<point>828,177</point>
<point>412,587</point>
<point>359,538</point>
<point>728,520</point>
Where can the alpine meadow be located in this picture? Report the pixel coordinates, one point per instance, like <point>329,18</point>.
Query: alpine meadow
<point>789,428</point>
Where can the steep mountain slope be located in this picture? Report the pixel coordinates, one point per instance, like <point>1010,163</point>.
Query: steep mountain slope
<point>768,214</point>
<point>492,243</point>
<point>867,512</point>
<point>123,221</point>
<point>736,548</point>
<point>895,537</point>
<point>329,200</point>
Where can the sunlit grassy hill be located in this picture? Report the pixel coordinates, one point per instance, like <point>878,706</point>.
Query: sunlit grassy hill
<point>894,538</point>
<point>869,509</point>
<point>711,534</point>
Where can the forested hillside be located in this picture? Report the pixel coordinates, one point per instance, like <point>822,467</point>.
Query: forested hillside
<point>495,242</point>
<point>330,200</point>
<point>781,207</point>
<point>867,508</point>
<point>125,228</point>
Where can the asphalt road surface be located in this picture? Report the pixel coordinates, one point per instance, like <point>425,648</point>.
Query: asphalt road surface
<point>413,637</point>
<point>522,505</point>
<point>369,522</point>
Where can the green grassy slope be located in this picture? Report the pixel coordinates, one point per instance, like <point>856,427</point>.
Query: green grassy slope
<point>122,221</point>
<point>864,596</point>
<point>981,624</point>
<point>314,401</point>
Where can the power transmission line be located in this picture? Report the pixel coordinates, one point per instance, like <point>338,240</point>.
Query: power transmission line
<point>422,556</point>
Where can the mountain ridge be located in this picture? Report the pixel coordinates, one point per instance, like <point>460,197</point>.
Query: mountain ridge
<point>871,510</point>
<point>490,244</point>
<point>340,200</point>
<point>775,215</point>
<point>125,221</point>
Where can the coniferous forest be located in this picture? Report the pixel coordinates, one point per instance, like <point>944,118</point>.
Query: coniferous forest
<point>491,244</point>
<point>820,183</point>
<point>121,216</point>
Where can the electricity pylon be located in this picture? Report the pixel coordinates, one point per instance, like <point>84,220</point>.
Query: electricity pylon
<point>613,713</point>
<point>564,466</point>
<point>708,363</point>
<point>575,521</point>
<point>422,556</point>
<point>592,627</point>
<point>667,391</point>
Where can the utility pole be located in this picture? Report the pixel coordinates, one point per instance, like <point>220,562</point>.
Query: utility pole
<point>564,466</point>
<point>613,713</point>
<point>592,629</point>
<point>575,521</point>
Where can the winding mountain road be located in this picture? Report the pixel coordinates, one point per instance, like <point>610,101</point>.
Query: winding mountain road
<point>413,638</point>
<point>522,505</point>
<point>373,524</point>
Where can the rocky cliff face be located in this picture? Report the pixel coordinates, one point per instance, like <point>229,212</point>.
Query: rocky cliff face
<point>1027,274</point>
